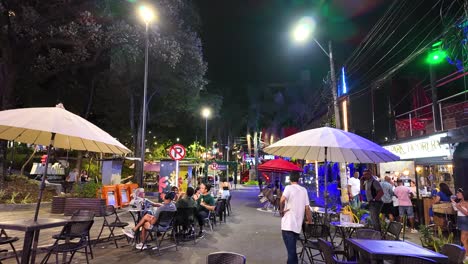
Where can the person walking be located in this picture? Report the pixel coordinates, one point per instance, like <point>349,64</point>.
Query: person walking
<point>354,188</point>
<point>405,206</point>
<point>294,203</point>
<point>460,204</point>
<point>374,195</point>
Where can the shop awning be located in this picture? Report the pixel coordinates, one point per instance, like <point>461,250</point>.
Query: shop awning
<point>279,165</point>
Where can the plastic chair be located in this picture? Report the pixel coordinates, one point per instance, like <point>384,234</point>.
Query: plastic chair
<point>71,231</point>
<point>224,257</point>
<point>111,224</point>
<point>329,254</point>
<point>220,210</point>
<point>185,223</point>
<point>5,239</point>
<point>455,253</point>
<point>312,232</point>
<point>393,231</point>
<point>413,260</point>
<point>368,234</point>
<point>164,223</point>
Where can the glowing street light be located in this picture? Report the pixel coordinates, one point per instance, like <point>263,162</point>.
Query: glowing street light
<point>147,15</point>
<point>206,113</point>
<point>301,33</point>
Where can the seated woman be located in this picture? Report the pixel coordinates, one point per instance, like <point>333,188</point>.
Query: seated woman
<point>443,196</point>
<point>225,186</point>
<point>178,194</point>
<point>139,201</point>
<point>148,220</point>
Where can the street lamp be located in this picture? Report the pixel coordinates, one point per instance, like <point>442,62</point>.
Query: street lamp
<point>147,15</point>
<point>206,113</point>
<point>301,33</point>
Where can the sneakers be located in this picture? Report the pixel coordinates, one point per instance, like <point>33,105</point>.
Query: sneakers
<point>129,232</point>
<point>140,246</point>
<point>414,231</point>
<point>201,234</point>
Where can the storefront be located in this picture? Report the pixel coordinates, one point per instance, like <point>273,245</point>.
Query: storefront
<point>426,162</point>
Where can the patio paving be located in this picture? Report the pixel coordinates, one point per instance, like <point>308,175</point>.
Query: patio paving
<point>248,231</point>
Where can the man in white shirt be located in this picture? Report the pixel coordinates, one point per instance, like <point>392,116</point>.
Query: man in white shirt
<point>294,204</point>
<point>354,188</point>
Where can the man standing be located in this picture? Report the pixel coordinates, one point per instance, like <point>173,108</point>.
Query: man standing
<point>354,188</point>
<point>387,208</point>
<point>405,206</point>
<point>374,194</point>
<point>293,204</point>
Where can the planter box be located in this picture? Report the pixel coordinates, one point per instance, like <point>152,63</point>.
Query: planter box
<point>58,204</point>
<point>92,204</point>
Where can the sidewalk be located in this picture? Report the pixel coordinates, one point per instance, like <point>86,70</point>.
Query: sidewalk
<point>248,231</point>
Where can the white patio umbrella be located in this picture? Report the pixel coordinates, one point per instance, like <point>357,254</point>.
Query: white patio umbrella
<point>326,143</point>
<point>56,127</point>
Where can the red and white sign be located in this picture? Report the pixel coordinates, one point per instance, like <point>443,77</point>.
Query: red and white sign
<point>177,152</point>
<point>214,166</point>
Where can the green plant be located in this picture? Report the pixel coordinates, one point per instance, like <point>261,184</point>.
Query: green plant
<point>26,199</point>
<point>87,190</point>
<point>251,182</point>
<point>433,241</point>
<point>359,212</point>
<point>2,194</point>
<point>13,197</point>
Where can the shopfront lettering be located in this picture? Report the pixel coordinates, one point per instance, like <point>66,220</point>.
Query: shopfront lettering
<point>421,148</point>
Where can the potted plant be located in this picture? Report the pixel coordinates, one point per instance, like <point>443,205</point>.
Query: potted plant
<point>85,196</point>
<point>433,241</point>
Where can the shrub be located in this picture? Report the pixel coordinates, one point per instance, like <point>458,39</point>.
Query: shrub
<point>251,182</point>
<point>87,190</point>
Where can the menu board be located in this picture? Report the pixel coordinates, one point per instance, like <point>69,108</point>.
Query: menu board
<point>111,198</point>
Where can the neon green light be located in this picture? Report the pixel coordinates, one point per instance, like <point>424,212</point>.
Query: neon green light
<point>436,57</point>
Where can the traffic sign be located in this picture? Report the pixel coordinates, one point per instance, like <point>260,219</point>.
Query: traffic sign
<point>177,152</point>
<point>214,166</point>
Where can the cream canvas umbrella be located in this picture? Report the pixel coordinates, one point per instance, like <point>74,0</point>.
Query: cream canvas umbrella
<point>331,144</point>
<point>58,128</point>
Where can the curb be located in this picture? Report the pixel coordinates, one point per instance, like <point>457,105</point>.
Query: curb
<point>14,207</point>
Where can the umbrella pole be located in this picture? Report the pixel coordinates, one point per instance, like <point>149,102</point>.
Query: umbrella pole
<point>325,192</point>
<point>41,190</point>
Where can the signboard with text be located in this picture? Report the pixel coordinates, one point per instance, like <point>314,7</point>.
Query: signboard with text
<point>421,148</point>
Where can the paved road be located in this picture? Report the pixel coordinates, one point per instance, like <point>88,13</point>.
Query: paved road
<point>253,233</point>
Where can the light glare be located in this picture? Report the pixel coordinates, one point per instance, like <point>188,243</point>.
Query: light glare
<point>303,29</point>
<point>146,13</point>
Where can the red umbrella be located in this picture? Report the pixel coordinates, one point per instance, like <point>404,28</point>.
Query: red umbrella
<point>279,165</point>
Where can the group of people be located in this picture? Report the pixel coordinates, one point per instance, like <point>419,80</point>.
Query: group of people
<point>382,197</point>
<point>199,198</point>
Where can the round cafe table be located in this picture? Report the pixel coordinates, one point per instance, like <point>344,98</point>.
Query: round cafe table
<point>346,230</point>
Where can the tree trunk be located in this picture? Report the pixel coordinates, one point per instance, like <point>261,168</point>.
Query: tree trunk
<point>27,162</point>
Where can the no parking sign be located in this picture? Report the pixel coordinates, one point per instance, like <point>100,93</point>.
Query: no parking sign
<point>177,152</point>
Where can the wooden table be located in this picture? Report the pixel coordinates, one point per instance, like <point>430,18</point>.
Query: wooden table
<point>379,250</point>
<point>31,233</point>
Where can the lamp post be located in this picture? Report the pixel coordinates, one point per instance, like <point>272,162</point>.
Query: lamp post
<point>302,31</point>
<point>147,15</point>
<point>206,112</point>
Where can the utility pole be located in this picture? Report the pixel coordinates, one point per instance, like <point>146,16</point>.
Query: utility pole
<point>333,86</point>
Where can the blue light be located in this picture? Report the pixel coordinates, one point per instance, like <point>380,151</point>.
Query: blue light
<point>343,79</point>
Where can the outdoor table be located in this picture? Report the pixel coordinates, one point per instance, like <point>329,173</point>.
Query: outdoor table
<point>31,233</point>
<point>346,230</point>
<point>379,250</point>
<point>321,210</point>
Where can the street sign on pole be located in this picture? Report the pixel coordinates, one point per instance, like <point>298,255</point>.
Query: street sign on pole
<point>177,152</point>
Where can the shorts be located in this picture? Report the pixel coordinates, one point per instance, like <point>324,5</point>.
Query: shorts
<point>387,209</point>
<point>462,223</point>
<point>407,209</point>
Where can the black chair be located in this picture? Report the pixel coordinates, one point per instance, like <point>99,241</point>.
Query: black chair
<point>85,215</point>
<point>5,239</point>
<point>368,234</point>
<point>228,204</point>
<point>185,223</point>
<point>210,220</point>
<point>220,210</point>
<point>224,257</point>
<point>329,254</point>
<point>111,221</point>
<point>70,232</point>
<point>312,232</point>
<point>393,231</point>
<point>413,260</point>
<point>455,253</point>
<point>164,223</point>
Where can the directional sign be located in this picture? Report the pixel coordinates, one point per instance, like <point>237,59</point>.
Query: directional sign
<point>177,152</point>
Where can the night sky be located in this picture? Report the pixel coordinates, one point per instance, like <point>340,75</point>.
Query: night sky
<point>248,41</point>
